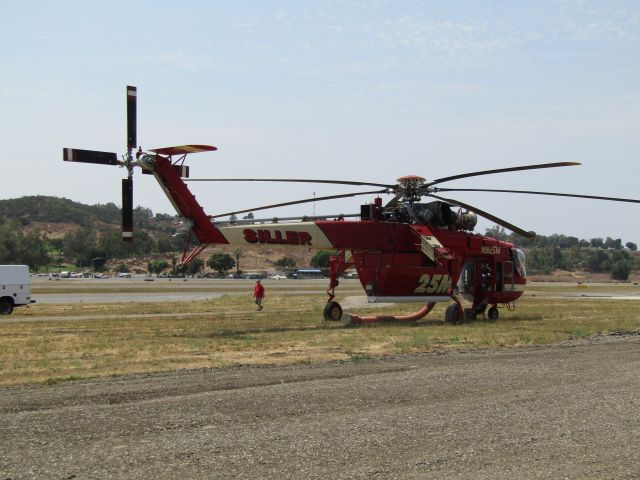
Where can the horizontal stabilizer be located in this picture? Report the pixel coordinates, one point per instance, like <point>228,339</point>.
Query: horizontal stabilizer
<point>183,149</point>
<point>90,156</point>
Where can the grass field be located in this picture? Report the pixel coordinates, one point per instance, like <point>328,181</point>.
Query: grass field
<point>58,342</point>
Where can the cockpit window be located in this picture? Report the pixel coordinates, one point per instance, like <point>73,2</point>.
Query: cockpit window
<point>519,260</point>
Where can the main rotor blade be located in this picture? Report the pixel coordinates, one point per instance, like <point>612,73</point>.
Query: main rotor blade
<point>488,216</point>
<point>290,180</point>
<point>296,202</point>
<point>503,170</point>
<point>89,156</point>
<point>132,101</point>
<point>593,197</point>
<point>127,209</point>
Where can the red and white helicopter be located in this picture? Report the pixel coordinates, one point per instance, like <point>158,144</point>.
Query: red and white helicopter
<point>405,251</point>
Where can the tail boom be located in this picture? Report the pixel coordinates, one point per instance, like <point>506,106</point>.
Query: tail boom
<point>185,202</point>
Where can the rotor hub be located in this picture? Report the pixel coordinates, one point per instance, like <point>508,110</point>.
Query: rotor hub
<point>411,187</point>
<point>411,180</point>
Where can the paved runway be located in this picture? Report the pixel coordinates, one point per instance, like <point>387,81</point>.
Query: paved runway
<point>63,298</point>
<point>118,290</point>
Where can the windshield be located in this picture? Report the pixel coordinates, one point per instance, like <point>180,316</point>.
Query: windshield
<point>519,261</point>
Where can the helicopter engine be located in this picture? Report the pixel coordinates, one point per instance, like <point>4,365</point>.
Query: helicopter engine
<point>435,214</point>
<point>432,213</point>
<point>466,220</point>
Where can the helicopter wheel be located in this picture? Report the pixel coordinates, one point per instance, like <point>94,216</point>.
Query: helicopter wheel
<point>453,315</point>
<point>493,314</point>
<point>332,311</point>
<point>470,314</point>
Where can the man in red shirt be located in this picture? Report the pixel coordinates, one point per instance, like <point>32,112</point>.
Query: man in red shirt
<point>258,293</point>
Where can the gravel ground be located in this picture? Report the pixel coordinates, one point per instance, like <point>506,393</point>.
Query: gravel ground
<point>566,411</point>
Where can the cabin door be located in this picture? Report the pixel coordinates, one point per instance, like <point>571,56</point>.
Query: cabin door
<point>505,278</point>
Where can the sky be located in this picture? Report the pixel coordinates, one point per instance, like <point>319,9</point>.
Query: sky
<point>348,89</point>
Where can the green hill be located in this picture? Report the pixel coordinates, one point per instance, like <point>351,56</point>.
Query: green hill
<point>40,208</point>
<point>35,230</point>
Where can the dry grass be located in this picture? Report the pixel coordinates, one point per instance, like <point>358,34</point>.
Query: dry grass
<point>48,343</point>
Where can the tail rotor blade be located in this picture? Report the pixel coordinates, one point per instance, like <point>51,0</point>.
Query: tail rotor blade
<point>127,209</point>
<point>132,100</point>
<point>89,156</point>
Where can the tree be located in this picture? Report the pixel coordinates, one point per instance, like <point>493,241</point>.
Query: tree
<point>321,259</point>
<point>9,241</point>
<point>612,244</point>
<point>33,250</point>
<point>97,263</point>
<point>142,244</point>
<point>631,246</point>
<point>497,232</point>
<point>78,243</point>
<point>221,263</point>
<point>285,262</point>
<point>121,268</point>
<point>621,270</point>
<point>195,266</point>
<point>56,243</point>
<point>174,265</point>
<point>157,266</point>
<point>110,242</point>
<point>540,260</point>
<point>164,245</point>
<point>238,254</point>
<point>16,248</point>
<point>598,261</point>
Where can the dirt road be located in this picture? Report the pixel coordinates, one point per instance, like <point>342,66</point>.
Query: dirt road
<point>567,411</point>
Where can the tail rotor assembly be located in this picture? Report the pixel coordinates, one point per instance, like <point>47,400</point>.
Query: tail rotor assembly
<point>134,157</point>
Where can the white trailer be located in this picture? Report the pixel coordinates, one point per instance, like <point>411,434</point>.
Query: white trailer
<point>15,287</point>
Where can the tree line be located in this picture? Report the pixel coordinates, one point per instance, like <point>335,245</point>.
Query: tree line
<point>561,252</point>
<point>84,247</point>
<point>98,239</point>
